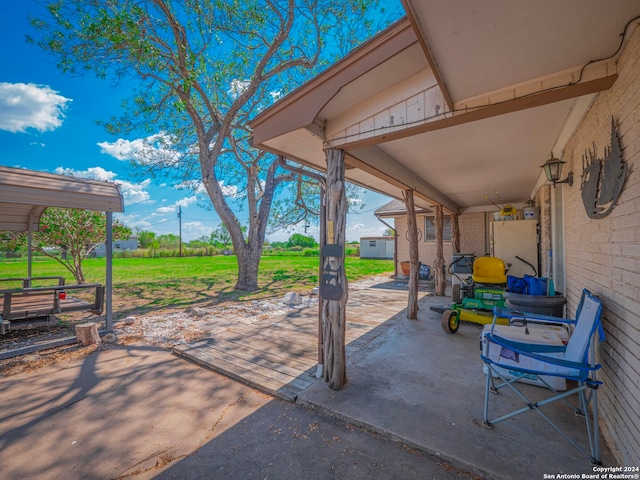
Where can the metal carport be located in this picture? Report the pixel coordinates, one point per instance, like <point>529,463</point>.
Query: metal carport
<point>25,194</point>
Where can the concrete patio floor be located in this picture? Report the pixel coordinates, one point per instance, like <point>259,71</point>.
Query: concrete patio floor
<point>424,387</point>
<point>412,383</point>
<point>416,384</point>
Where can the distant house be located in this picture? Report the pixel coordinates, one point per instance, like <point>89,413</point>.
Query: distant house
<point>377,247</point>
<point>118,246</point>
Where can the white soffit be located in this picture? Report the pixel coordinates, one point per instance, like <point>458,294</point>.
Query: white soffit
<point>471,160</point>
<point>481,47</point>
<point>393,71</point>
<point>305,148</point>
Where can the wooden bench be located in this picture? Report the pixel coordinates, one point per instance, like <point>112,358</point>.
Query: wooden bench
<point>27,304</point>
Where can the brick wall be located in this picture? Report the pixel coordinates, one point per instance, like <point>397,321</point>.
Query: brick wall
<point>473,229</point>
<point>604,255</point>
<point>543,200</point>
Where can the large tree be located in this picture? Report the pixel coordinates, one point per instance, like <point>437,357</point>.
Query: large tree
<point>69,236</point>
<point>204,69</point>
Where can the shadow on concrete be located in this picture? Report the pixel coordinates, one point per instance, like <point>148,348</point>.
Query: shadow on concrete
<point>424,387</point>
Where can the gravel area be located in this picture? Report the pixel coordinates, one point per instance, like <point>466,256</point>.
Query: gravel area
<point>168,328</point>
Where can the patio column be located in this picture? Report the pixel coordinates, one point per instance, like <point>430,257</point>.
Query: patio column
<point>455,233</point>
<point>441,279</point>
<point>414,270</point>
<point>333,283</point>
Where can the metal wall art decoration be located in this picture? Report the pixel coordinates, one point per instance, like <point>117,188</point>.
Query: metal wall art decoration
<point>603,179</point>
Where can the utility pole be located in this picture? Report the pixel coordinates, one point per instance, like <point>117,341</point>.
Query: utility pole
<point>180,227</point>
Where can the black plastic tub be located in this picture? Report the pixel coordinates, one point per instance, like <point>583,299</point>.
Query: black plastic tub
<point>542,304</point>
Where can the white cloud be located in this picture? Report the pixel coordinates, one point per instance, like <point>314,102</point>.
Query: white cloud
<point>238,87</point>
<point>194,230</point>
<point>229,190</point>
<point>199,189</point>
<point>153,149</point>
<point>195,185</point>
<point>92,173</point>
<point>184,202</point>
<point>132,192</point>
<point>27,105</point>
<point>135,192</point>
<point>355,231</point>
<point>165,210</point>
<point>132,221</point>
<point>275,95</point>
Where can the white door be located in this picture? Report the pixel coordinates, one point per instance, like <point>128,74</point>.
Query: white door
<point>516,238</point>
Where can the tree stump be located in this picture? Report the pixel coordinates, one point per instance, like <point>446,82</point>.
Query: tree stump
<point>87,334</point>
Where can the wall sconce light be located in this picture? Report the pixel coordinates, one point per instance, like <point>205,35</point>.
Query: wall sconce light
<point>553,170</point>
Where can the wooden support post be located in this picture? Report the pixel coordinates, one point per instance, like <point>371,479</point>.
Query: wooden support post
<point>334,279</point>
<point>414,269</point>
<point>455,233</point>
<point>441,279</point>
<point>87,334</point>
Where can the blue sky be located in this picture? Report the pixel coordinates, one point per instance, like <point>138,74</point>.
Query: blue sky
<point>48,123</point>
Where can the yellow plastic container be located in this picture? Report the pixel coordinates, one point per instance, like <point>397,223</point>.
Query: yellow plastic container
<point>508,212</point>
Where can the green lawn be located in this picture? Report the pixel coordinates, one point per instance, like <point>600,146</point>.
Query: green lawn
<point>145,283</point>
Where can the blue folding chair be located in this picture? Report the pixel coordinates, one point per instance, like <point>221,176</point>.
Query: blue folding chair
<point>539,362</point>
<point>533,320</point>
<point>523,318</point>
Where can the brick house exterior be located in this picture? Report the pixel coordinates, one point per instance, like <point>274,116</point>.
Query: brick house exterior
<point>473,233</point>
<point>604,255</point>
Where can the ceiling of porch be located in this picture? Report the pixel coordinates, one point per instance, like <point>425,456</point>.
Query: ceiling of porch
<point>507,76</point>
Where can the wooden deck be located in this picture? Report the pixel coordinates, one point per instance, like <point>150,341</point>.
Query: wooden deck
<point>278,355</point>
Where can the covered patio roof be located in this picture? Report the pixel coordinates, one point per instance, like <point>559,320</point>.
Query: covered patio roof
<point>457,100</point>
<point>24,195</point>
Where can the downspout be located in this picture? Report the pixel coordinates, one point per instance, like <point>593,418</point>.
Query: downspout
<point>323,237</point>
<point>395,246</point>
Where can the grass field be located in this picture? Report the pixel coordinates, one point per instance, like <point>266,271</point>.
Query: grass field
<point>141,284</point>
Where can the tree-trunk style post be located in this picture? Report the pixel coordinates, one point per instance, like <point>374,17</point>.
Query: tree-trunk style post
<point>333,283</point>
<point>441,279</point>
<point>455,233</point>
<point>414,270</point>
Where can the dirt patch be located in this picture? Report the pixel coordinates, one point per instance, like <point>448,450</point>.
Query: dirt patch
<point>162,327</point>
<point>34,361</point>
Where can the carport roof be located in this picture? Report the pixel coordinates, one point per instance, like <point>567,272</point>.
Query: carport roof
<point>24,195</point>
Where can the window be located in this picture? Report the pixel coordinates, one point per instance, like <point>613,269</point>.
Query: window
<point>430,228</point>
<point>372,243</point>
